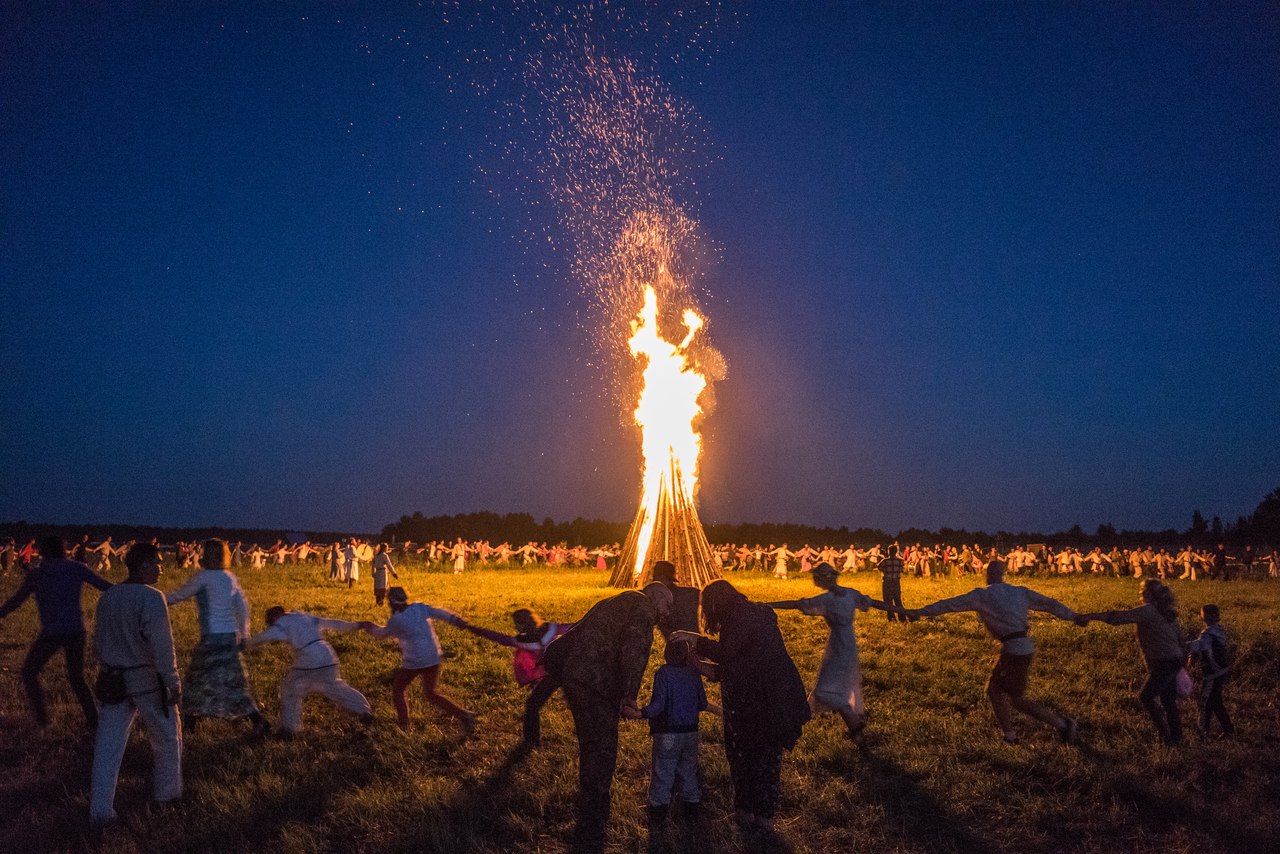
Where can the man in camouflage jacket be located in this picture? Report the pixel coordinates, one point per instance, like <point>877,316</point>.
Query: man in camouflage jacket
<point>600,663</point>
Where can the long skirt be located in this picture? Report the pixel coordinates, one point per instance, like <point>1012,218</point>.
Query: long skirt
<point>215,684</point>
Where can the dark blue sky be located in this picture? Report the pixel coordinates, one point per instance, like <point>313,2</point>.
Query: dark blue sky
<point>1007,266</point>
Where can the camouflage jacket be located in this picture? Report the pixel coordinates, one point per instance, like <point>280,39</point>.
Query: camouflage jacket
<point>608,649</point>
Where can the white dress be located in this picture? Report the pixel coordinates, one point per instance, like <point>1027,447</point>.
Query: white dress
<point>839,684</point>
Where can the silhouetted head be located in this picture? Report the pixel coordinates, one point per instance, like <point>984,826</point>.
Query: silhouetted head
<point>718,598</point>
<point>664,571</point>
<point>1210,614</point>
<point>1158,595</point>
<point>274,613</point>
<point>215,555</point>
<point>995,571</point>
<point>398,599</point>
<point>678,652</point>
<point>659,596</point>
<point>53,547</point>
<point>525,620</point>
<point>143,562</point>
<point>825,575</point>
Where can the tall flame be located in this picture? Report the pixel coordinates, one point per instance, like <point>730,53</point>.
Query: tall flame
<point>666,412</point>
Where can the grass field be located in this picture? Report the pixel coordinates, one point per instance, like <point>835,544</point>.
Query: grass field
<point>934,777</point>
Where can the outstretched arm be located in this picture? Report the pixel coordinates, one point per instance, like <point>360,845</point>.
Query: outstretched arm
<point>490,635</point>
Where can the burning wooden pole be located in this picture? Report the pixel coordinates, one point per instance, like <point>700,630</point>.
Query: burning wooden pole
<point>675,535</point>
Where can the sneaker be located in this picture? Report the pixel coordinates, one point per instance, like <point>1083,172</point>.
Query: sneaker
<point>1069,731</point>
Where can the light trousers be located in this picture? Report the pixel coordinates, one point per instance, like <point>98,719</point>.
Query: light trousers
<point>298,684</point>
<point>164,731</point>
<point>674,768</point>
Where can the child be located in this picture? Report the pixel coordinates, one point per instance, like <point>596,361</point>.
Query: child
<point>411,626</point>
<point>1214,655</point>
<point>529,643</point>
<point>678,697</point>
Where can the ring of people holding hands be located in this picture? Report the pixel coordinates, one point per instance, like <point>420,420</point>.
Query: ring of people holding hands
<point>596,661</point>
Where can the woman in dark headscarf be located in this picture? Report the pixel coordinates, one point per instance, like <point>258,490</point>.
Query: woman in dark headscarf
<point>763,697</point>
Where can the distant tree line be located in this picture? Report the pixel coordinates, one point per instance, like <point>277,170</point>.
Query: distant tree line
<point>1261,528</point>
<point>24,531</point>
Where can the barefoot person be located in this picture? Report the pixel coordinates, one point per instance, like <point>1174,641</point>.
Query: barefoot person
<point>139,678</point>
<point>839,685</point>
<point>412,626</point>
<point>599,663</point>
<point>56,583</point>
<point>1004,610</point>
<point>315,664</point>
<point>216,683</point>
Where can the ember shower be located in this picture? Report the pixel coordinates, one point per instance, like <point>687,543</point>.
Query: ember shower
<point>597,132</point>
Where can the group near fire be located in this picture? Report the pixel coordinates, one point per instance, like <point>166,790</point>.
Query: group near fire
<point>597,662</point>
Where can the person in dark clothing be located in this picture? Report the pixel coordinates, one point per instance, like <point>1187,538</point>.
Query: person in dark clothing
<point>891,584</point>
<point>56,583</point>
<point>599,664</point>
<point>764,700</point>
<point>1213,653</point>
<point>1221,568</point>
<point>684,600</point>
<point>678,699</point>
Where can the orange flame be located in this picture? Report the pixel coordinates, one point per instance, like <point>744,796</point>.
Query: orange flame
<point>666,412</point>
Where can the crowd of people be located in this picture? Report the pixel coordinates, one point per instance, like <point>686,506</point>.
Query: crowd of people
<point>344,558</point>
<point>597,662</point>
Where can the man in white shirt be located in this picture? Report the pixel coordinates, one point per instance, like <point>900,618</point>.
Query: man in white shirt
<point>1004,610</point>
<point>315,664</point>
<point>139,678</point>
<point>411,625</point>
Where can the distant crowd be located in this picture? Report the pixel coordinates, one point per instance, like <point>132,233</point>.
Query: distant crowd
<point>597,661</point>
<point>344,558</point>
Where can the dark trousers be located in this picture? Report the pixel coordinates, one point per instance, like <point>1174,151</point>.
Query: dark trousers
<point>1212,705</point>
<point>1159,696</point>
<point>595,719</point>
<point>891,591</point>
<point>755,766</point>
<point>72,646</point>
<point>540,692</point>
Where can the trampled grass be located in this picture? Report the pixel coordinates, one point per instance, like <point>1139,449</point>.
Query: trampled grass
<point>935,775</point>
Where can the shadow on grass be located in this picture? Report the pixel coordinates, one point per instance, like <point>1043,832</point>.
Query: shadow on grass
<point>912,812</point>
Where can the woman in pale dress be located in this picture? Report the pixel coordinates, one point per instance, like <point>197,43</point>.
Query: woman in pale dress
<point>839,685</point>
<point>780,556</point>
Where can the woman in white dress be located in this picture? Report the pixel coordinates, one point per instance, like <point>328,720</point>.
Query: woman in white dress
<point>839,685</point>
<point>780,556</point>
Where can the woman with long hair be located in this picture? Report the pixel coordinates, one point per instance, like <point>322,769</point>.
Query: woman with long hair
<point>1164,648</point>
<point>215,684</point>
<point>762,694</point>
<point>839,685</point>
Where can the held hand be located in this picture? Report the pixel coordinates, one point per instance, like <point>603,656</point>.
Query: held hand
<point>684,636</point>
<point>1081,620</point>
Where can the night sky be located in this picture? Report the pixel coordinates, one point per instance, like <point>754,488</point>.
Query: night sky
<point>1009,266</point>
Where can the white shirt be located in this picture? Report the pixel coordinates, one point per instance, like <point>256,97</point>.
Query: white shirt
<point>1003,609</point>
<point>413,630</point>
<point>131,630</point>
<point>223,608</point>
<point>302,632</point>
